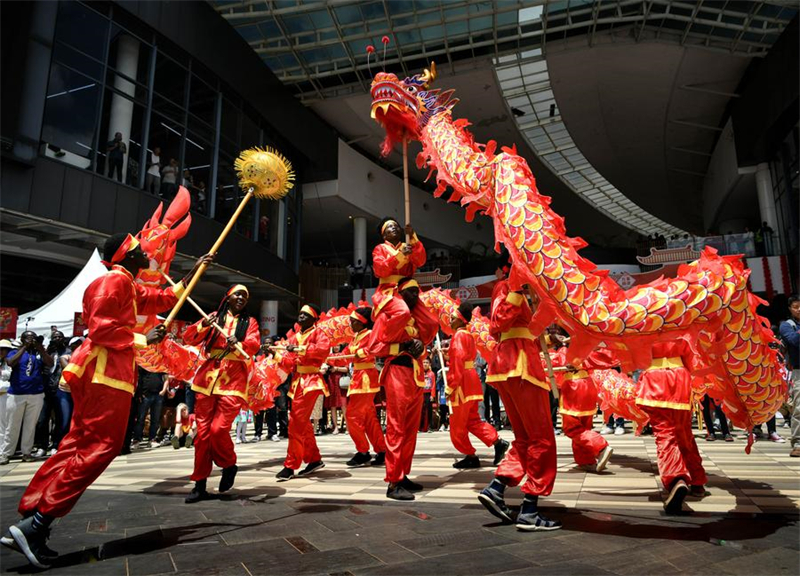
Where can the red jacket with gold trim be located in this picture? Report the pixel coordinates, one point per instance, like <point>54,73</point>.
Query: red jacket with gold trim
<point>390,265</point>
<point>391,330</point>
<point>578,391</point>
<point>306,363</point>
<point>224,374</point>
<point>668,383</point>
<point>365,378</point>
<point>515,327</point>
<point>463,382</point>
<point>110,306</point>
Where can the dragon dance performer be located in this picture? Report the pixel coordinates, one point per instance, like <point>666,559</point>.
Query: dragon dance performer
<point>400,336</point>
<point>665,394</point>
<point>577,404</point>
<point>362,421</point>
<point>516,371</point>
<point>307,351</point>
<point>393,260</point>
<point>465,392</point>
<point>102,377</point>
<point>220,387</point>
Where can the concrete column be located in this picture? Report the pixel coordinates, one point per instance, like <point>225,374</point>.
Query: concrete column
<point>122,108</point>
<point>359,241</point>
<point>766,203</point>
<point>269,317</point>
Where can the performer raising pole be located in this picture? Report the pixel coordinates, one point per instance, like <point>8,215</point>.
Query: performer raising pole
<point>102,378</point>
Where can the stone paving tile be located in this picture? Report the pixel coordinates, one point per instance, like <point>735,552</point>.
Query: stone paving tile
<point>458,564</point>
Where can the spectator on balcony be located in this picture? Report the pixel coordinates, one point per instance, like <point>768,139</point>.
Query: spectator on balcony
<point>764,240</point>
<point>152,179</point>
<point>357,274</point>
<point>201,197</point>
<point>169,179</point>
<point>115,152</point>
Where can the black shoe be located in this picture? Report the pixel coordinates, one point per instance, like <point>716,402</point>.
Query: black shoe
<point>399,493</point>
<point>311,468</point>
<point>494,502</point>
<point>9,542</point>
<point>380,459</point>
<point>198,493</point>
<point>125,451</point>
<point>674,502</point>
<point>468,462</point>
<point>411,486</point>
<point>500,449</point>
<point>285,474</point>
<point>360,459</point>
<point>698,491</point>
<point>535,522</point>
<point>228,476</point>
<point>32,543</point>
<point>176,442</point>
<point>189,442</point>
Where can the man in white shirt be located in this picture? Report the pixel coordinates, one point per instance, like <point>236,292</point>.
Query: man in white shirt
<point>152,180</point>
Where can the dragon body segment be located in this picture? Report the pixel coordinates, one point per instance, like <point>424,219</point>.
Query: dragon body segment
<point>708,301</point>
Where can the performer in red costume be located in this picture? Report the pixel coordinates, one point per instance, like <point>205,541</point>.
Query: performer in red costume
<point>306,351</point>
<point>102,377</point>
<point>400,336</point>
<point>464,392</point>
<point>665,394</point>
<point>393,260</point>
<point>362,421</point>
<point>220,387</point>
<point>516,371</point>
<point>577,403</point>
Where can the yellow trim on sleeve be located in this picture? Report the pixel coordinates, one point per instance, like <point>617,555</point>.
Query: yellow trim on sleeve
<point>672,362</point>
<point>139,340</point>
<point>575,375</point>
<point>178,289</point>
<point>394,349</point>
<point>515,298</point>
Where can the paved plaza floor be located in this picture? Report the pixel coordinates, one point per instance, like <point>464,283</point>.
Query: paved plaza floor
<point>338,522</point>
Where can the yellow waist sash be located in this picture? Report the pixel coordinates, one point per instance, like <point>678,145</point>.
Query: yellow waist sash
<point>364,366</point>
<point>216,354</point>
<point>469,365</point>
<point>576,375</point>
<point>394,279</point>
<point>672,362</point>
<point>519,332</point>
<point>308,369</point>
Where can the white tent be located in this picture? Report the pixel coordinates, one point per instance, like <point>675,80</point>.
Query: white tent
<point>60,311</point>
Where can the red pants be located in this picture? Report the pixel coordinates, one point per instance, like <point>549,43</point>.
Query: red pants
<point>362,423</point>
<point>677,452</point>
<point>463,420</point>
<point>302,444</point>
<point>586,443</point>
<point>533,451</point>
<point>214,415</point>
<point>403,406</point>
<point>94,440</point>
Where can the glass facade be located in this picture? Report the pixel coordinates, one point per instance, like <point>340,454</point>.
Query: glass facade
<point>127,104</point>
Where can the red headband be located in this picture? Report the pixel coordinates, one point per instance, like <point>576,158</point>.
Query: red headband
<point>356,316</point>
<point>130,243</point>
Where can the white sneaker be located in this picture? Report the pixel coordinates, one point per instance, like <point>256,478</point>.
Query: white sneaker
<point>619,431</point>
<point>256,439</point>
<point>40,453</point>
<point>3,461</point>
<point>275,438</point>
<point>237,441</point>
<point>53,451</point>
<point>775,437</point>
<point>607,430</point>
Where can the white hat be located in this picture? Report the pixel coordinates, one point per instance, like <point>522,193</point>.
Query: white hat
<point>5,343</point>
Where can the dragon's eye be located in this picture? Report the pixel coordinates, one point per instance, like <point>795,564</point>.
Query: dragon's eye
<point>411,89</point>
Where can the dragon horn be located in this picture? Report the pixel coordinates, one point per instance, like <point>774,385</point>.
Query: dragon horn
<point>429,75</point>
<point>178,207</point>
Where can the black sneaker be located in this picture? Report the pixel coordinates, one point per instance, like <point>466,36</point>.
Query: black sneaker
<point>698,491</point>
<point>228,476</point>
<point>176,442</point>
<point>399,493</point>
<point>535,522</point>
<point>10,543</point>
<point>411,486</point>
<point>674,502</point>
<point>189,441</point>
<point>311,468</point>
<point>500,449</point>
<point>380,459</point>
<point>360,459</point>
<point>603,458</point>
<point>468,462</point>
<point>32,543</point>
<point>198,493</point>
<point>285,474</point>
<point>494,502</point>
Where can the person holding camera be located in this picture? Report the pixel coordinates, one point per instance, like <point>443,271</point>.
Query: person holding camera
<point>115,152</point>
<point>25,395</point>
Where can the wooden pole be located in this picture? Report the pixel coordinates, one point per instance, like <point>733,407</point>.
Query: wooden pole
<point>406,188</point>
<point>441,359</point>
<point>547,360</point>
<point>196,306</point>
<point>214,249</point>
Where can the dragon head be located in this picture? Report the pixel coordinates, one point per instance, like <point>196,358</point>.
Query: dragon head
<point>404,107</point>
